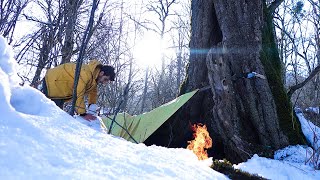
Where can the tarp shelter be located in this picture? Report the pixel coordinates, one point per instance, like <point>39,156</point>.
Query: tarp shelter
<point>140,127</point>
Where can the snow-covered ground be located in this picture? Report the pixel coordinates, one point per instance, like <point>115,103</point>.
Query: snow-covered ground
<point>40,141</point>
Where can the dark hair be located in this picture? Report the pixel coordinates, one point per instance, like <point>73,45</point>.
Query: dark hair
<point>108,71</point>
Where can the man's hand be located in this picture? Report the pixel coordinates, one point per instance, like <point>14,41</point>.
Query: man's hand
<point>89,117</point>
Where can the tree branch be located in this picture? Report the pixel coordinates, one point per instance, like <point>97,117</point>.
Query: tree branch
<point>292,89</point>
<point>34,19</point>
<point>274,5</point>
<point>142,24</point>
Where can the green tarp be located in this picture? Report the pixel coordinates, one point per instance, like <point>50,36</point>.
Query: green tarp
<point>142,126</point>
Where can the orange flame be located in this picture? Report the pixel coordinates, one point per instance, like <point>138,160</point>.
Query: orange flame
<point>201,141</point>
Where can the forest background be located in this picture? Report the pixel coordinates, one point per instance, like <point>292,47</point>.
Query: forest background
<point>148,43</point>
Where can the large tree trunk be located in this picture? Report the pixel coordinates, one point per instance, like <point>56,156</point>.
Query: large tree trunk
<point>244,111</point>
<point>242,114</point>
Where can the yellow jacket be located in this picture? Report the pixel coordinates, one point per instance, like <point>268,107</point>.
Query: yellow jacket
<point>60,81</point>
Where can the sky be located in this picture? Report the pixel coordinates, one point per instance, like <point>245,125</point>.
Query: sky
<point>148,50</point>
<point>40,141</point>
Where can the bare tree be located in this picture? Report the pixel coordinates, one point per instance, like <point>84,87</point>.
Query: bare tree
<point>110,45</point>
<point>9,16</point>
<point>145,89</point>
<point>58,37</point>
<point>47,40</point>
<point>50,35</point>
<point>71,8</point>
<point>181,37</point>
<point>299,48</point>
<point>85,41</point>
<point>162,9</point>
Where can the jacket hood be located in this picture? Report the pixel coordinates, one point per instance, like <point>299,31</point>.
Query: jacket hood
<point>93,64</point>
<point>93,67</point>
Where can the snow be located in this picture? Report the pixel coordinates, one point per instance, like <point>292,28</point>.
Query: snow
<point>313,109</point>
<point>275,169</point>
<point>40,141</point>
<point>311,131</point>
<point>288,163</point>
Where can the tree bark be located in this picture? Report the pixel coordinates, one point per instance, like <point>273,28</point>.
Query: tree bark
<point>47,40</point>
<point>244,111</point>
<point>241,113</point>
<point>70,17</point>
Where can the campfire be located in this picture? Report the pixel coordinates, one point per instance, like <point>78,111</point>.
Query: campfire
<point>201,142</point>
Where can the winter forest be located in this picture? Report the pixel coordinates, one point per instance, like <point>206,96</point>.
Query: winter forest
<point>256,64</point>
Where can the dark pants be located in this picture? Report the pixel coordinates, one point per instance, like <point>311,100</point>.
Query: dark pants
<point>44,90</point>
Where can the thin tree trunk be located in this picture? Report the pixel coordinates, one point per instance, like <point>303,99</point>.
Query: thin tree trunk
<point>127,88</point>
<point>46,47</point>
<point>179,59</point>
<point>145,89</point>
<point>71,10</point>
<point>84,44</point>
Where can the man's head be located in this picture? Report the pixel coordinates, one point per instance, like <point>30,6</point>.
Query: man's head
<point>106,74</point>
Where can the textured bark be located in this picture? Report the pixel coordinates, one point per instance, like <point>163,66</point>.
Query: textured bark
<point>244,110</point>
<point>240,112</point>
<point>269,57</point>
<point>71,9</point>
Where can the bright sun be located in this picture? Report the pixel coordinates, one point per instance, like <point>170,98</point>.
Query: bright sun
<point>148,50</point>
